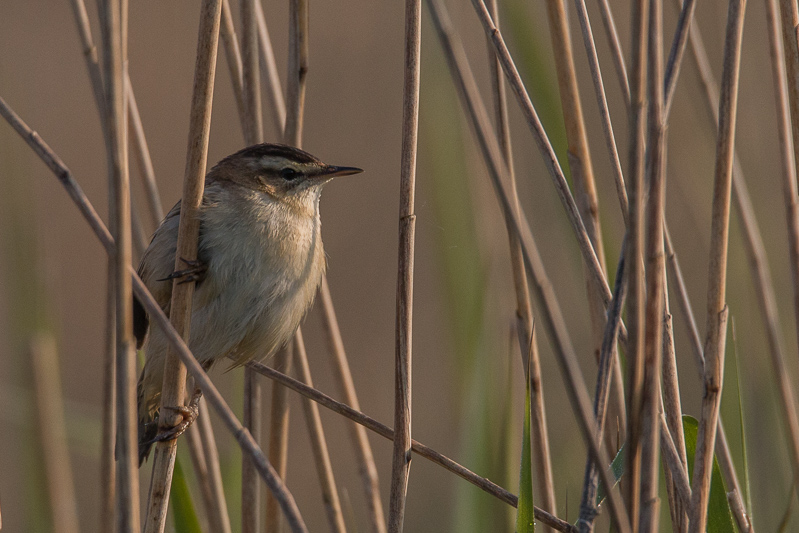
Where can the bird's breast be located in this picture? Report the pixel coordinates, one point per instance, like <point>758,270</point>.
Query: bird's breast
<point>264,267</point>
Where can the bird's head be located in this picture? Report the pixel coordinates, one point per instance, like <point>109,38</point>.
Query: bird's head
<point>281,172</point>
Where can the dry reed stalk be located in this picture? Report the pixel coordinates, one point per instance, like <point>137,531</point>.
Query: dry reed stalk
<point>598,314</point>
<point>107,445</point>
<point>635,312</point>
<point>53,434</point>
<point>553,319</point>
<point>607,353</point>
<point>672,413</point>
<point>792,221</point>
<point>253,133</point>
<point>528,344</point>
<point>757,258</point>
<point>197,454</point>
<point>91,57</point>
<point>297,71</point>
<point>790,23</point>
<point>615,49</point>
<point>545,146</point>
<point>420,449</point>
<point>723,453</point>
<point>242,436</point>
<point>677,52</point>
<point>127,475</point>
<point>107,462</point>
<point>278,435</point>
<point>602,102</point>
<point>233,56</point>
<point>174,383</point>
<point>250,486</point>
<point>363,451</point>
<point>736,505</point>
<point>217,511</point>
<point>715,340</point>
<point>324,466</point>
<point>401,456</point>
<point>269,74</point>
<point>673,466</point>
<point>292,135</point>
<point>143,159</point>
<point>655,276</point>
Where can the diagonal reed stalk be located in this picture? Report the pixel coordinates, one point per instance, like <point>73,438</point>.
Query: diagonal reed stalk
<point>672,415</point>
<point>424,451</point>
<point>528,344</point>
<point>127,475</point>
<point>792,221</point>
<point>252,126</point>
<point>269,71</point>
<point>324,466</point>
<point>174,383</point>
<point>401,456</point>
<point>242,436</point>
<point>553,319</point>
<point>602,102</point>
<point>545,146</point>
<point>363,451</point>
<point>607,353</point>
<point>717,311</point>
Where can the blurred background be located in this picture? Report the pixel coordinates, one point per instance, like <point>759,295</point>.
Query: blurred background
<point>468,387</point>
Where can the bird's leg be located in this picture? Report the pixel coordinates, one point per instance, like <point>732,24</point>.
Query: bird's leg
<point>195,272</point>
<point>188,412</point>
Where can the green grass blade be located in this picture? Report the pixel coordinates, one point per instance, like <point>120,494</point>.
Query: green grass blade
<point>183,512</point>
<point>525,522</point>
<point>616,470</point>
<point>719,515</point>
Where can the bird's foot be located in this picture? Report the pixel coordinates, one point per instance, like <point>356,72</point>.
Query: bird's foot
<point>188,412</point>
<point>196,271</point>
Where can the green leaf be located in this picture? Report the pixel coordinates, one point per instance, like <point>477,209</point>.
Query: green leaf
<point>183,512</point>
<point>719,515</point>
<point>616,469</point>
<point>525,519</point>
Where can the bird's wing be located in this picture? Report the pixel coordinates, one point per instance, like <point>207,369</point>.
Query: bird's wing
<point>157,263</point>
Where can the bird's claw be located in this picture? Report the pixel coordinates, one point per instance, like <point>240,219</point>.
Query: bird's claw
<point>189,413</point>
<point>195,272</point>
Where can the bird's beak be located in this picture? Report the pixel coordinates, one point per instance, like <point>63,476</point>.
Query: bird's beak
<point>331,171</point>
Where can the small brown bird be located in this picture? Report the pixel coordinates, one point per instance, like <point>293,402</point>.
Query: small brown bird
<point>260,262</point>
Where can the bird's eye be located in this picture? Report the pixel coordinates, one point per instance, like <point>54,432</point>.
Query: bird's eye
<point>289,174</point>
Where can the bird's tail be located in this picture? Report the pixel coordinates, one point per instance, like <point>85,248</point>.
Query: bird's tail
<point>148,422</point>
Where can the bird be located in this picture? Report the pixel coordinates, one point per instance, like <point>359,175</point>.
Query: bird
<point>260,261</point>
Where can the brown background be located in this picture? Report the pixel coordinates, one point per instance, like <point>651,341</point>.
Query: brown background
<point>353,113</point>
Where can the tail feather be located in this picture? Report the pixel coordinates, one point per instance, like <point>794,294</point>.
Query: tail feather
<point>148,423</point>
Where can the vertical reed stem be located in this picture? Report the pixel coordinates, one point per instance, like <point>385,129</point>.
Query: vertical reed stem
<point>173,391</point>
<point>655,276</point>
<point>715,340</point>
<point>401,462</point>
<point>127,494</point>
<point>295,109</point>
<point>253,134</point>
<point>635,313</point>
